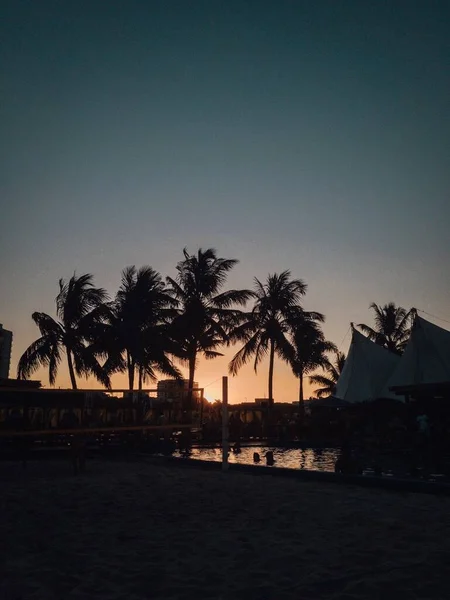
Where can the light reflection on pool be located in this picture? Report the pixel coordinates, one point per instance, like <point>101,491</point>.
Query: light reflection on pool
<point>311,459</point>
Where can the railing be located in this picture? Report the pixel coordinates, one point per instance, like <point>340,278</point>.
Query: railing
<point>88,430</point>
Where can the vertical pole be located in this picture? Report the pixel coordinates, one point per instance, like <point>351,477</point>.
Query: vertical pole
<point>201,408</point>
<point>225,445</point>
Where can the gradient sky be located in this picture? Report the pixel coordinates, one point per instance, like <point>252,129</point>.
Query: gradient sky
<point>304,135</point>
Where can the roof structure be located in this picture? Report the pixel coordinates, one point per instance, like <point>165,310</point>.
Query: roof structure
<point>426,359</point>
<point>367,369</point>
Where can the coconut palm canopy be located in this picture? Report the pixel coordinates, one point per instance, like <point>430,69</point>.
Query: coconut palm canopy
<point>151,322</point>
<point>205,314</point>
<point>309,346</point>
<point>392,326</point>
<point>134,335</point>
<point>78,308</point>
<point>328,381</point>
<point>265,329</point>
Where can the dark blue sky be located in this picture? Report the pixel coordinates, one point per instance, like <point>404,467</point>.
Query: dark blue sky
<point>313,136</point>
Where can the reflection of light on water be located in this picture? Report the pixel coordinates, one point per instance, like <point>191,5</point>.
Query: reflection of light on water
<point>310,459</point>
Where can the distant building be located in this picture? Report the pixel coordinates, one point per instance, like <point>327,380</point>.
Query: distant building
<point>310,399</point>
<point>174,391</point>
<point>262,402</point>
<point>18,384</point>
<point>5,351</point>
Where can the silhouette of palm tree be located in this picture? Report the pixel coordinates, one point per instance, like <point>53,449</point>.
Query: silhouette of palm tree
<point>333,371</point>
<point>265,328</point>
<point>78,307</point>
<point>134,337</point>
<point>205,314</point>
<point>392,327</point>
<point>309,346</point>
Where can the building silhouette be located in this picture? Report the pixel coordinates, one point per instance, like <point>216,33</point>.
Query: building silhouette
<point>171,390</point>
<point>5,351</point>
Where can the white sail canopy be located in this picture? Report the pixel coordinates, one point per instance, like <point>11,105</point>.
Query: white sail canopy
<point>367,368</point>
<point>426,358</point>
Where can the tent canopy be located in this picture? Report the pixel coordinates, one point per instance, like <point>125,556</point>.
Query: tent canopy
<point>367,368</point>
<point>426,358</point>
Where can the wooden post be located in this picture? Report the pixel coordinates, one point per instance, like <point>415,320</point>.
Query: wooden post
<point>225,445</point>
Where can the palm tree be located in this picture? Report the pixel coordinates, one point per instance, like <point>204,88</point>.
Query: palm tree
<point>329,381</point>
<point>266,327</point>
<point>134,337</point>
<point>309,347</point>
<point>78,308</point>
<point>392,327</point>
<point>205,313</point>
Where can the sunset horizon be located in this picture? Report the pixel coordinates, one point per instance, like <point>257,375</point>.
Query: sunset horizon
<point>243,387</point>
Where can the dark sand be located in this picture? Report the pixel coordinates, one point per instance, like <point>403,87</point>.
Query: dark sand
<point>135,531</point>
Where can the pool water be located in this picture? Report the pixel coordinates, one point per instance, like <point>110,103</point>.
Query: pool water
<point>311,459</point>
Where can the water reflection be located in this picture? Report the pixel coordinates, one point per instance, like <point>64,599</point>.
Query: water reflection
<point>311,459</point>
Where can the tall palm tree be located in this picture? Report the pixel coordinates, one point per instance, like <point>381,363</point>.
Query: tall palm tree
<point>329,381</point>
<point>78,307</point>
<point>134,337</point>
<point>266,328</point>
<point>309,347</point>
<point>205,314</point>
<point>392,326</point>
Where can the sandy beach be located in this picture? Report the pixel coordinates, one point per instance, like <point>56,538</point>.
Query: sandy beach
<point>135,531</point>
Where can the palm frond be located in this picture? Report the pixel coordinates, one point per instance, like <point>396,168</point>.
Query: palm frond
<point>369,331</point>
<point>40,353</point>
<point>328,385</point>
<point>322,380</point>
<point>392,326</point>
<point>166,367</point>
<point>339,363</point>
<point>114,364</point>
<point>244,331</point>
<point>260,289</point>
<point>47,325</point>
<point>261,352</point>
<point>86,364</point>
<point>244,354</point>
<point>231,298</point>
<point>77,297</point>
<point>313,316</point>
<point>210,354</point>
<point>176,289</point>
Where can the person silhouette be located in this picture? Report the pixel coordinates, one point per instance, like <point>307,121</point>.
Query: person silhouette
<point>269,458</point>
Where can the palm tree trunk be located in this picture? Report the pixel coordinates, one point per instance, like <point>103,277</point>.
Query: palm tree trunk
<point>71,369</point>
<point>130,367</point>
<point>140,405</point>
<point>141,377</point>
<point>268,427</point>
<point>271,363</point>
<point>301,399</point>
<point>192,361</point>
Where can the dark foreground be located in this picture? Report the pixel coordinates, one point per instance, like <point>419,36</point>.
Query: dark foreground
<point>135,531</point>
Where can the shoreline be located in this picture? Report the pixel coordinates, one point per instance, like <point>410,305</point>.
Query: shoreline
<point>395,484</point>
<point>390,483</point>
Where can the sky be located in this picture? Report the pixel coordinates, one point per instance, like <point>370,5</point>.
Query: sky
<point>301,135</point>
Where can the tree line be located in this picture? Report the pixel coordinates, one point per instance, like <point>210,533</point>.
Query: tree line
<point>154,325</point>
